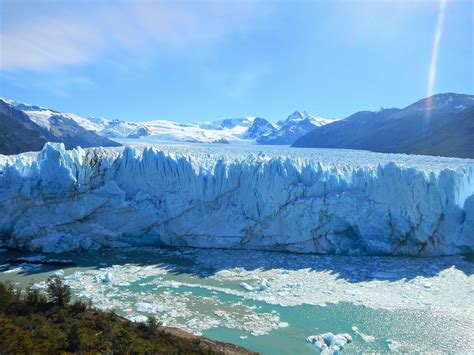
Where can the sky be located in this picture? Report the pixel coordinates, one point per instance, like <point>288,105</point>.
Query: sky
<point>190,61</point>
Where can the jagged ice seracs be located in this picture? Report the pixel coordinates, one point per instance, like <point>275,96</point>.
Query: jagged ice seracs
<point>319,201</point>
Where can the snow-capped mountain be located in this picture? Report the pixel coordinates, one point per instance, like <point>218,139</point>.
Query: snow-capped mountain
<point>260,128</point>
<point>44,125</point>
<point>296,125</point>
<point>249,130</point>
<point>243,130</point>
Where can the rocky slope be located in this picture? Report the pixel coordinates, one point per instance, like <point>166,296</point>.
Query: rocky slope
<point>444,117</point>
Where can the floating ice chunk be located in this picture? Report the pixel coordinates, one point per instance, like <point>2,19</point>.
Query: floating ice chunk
<point>172,313</point>
<point>39,286</point>
<point>106,277</point>
<point>365,337</point>
<point>11,270</point>
<point>59,273</point>
<point>148,307</point>
<point>263,285</point>
<point>393,345</point>
<point>123,283</point>
<point>138,319</point>
<point>283,324</point>
<point>74,277</point>
<point>225,273</point>
<point>23,268</point>
<point>246,286</point>
<point>328,343</point>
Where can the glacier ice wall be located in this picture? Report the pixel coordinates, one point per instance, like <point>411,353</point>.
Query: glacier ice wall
<point>61,200</point>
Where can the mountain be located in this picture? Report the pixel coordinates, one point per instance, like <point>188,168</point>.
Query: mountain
<point>455,138</point>
<point>27,127</point>
<point>260,128</point>
<point>75,130</point>
<point>296,125</point>
<point>19,133</point>
<point>413,129</point>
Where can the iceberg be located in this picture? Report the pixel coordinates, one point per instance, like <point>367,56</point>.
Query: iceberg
<point>106,277</point>
<point>148,307</point>
<point>263,285</point>
<point>329,343</point>
<point>365,337</point>
<point>246,286</point>
<point>39,286</point>
<point>319,201</point>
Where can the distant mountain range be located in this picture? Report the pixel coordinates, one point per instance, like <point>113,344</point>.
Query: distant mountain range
<point>74,130</point>
<point>442,124</point>
<point>439,125</point>
<point>250,130</point>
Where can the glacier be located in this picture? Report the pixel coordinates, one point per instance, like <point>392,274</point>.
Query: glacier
<point>319,201</point>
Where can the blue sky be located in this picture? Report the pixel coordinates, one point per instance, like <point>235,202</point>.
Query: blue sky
<point>202,60</point>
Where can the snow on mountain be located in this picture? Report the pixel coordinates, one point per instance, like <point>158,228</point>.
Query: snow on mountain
<point>260,128</point>
<point>248,130</point>
<point>338,202</point>
<point>18,132</point>
<point>302,116</point>
<point>227,123</point>
<point>244,130</point>
<point>119,129</point>
<point>295,126</point>
<point>59,127</point>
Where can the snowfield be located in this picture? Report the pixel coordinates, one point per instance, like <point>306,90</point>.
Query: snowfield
<point>310,201</point>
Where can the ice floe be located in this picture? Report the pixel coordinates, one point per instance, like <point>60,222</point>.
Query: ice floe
<point>246,286</point>
<point>148,294</point>
<point>39,286</point>
<point>365,337</point>
<point>21,268</point>
<point>106,277</point>
<point>329,343</point>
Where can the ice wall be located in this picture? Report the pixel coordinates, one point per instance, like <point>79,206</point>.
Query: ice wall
<point>62,200</point>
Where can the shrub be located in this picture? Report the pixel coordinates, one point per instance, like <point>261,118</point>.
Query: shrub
<point>58,292</point>
<point>78,307</point>
<point>75,337</point>
<point>152,325</point>
<point>35,298</point>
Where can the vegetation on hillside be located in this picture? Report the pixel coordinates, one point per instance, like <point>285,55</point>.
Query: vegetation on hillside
<point>34,322</point>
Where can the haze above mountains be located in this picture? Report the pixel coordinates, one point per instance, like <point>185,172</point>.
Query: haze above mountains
<point>439,125</point>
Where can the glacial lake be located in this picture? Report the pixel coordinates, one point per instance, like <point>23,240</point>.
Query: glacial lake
<point>385,303</point>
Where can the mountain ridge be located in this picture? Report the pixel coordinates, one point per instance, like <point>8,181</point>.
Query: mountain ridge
<point>419,128</point>
<point>28,128</point>
<point>243,130</point>
<point>397,130</point>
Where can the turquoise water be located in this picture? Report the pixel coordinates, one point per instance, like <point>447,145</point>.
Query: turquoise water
<point>199,291</point>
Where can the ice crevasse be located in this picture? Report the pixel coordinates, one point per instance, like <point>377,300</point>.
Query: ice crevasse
<point>60,200</point>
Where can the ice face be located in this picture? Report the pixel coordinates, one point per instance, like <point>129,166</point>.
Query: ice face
<point>311,201</point>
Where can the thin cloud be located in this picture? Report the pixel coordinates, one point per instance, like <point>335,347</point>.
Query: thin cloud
<point>59,84</point>
<point>81,35</point>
